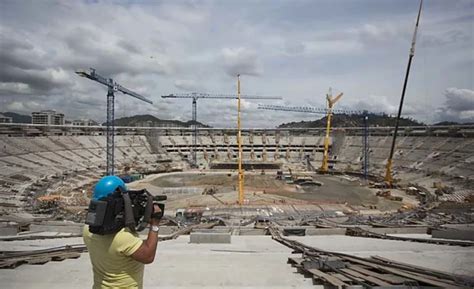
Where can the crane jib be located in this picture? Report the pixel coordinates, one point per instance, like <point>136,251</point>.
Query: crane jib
<point>196,95</point>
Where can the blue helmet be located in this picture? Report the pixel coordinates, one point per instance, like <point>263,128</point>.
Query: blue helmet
<point>106,186</point>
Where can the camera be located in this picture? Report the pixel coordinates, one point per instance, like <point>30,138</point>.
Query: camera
<point>132,209</point>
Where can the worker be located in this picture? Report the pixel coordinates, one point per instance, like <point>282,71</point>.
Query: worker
<point>118,259</point>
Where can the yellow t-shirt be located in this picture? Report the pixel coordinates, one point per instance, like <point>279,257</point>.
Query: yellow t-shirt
<point>111,259</point>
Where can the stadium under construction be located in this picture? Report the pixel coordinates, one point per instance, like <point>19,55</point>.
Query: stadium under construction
<point>296,228</point>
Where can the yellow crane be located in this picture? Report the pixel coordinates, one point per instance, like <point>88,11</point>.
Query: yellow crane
<point>331,102</point>
<point>239,137</point>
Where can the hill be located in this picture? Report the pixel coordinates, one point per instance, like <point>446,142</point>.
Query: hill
<point>352,120</point>
<point>150,121</point>
<point>453,123</point>
<point>18,118</point>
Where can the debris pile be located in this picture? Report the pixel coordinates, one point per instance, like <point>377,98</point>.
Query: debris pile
<point>419,216</point>
<point>388,195</point>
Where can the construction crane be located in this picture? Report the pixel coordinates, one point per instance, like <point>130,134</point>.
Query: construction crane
<point>365,114</point>
<point>112,87</point>
<point>388,172</point>
<point>197,95</point>
<point>366,145</point>
<point>331,101</point>
<point>239,144</point>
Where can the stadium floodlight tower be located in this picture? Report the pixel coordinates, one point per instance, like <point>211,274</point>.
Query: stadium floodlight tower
<point>112,87</point>
<point>197,95</point>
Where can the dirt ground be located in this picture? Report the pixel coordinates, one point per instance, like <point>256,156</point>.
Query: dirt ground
<point>266,188</point>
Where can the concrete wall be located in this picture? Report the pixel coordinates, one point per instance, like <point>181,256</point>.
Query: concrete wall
<point>209,238</point>
<point>456,232</point>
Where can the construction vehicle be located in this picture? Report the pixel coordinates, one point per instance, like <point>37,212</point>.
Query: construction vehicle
<point>261,222</point>
<point>189,215</point>
<point>48,203</point>
<point>388,195</point>
<point>388,173</point>
<point>279,175</point>
<point>292,178</point>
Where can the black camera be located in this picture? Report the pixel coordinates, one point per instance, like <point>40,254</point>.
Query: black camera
<point>132,209</point>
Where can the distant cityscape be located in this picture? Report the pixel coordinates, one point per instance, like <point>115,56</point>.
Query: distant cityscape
<point>52,117</point>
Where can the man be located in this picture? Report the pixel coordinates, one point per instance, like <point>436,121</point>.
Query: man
<point>118,259</point>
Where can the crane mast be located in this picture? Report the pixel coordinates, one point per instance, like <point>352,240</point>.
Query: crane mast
<point>198,95</point>
<point>239,142</point>
<point>388,172</point>
<point>112,87</point>
<point>329,111</point>
<point>331,102</point>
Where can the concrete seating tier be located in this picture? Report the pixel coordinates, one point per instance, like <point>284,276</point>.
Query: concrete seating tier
<point>45,162</point>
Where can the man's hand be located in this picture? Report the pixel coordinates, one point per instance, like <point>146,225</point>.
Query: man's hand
<point>146,253</point>
<point>156,210</point>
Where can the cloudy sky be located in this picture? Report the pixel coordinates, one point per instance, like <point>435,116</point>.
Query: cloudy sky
<point>294,49</point>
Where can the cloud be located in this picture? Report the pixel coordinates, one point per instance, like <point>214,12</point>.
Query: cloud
<point>446,38</point>
<point>187,85</point>
<point>381,33</point>
<point>458,107</point>
<point>128,46</point>
<point>380,104</point>
<point>375,104</point>
<point>332,47</point>
<point>25,107</point>
<point>296,50</point>
<point>241,60</point>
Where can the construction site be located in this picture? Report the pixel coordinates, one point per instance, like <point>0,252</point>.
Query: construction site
<point>366,206</point>
<point>341,228</point>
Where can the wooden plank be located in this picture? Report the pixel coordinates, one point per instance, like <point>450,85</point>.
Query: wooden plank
<point>38,261</point>
<point>326,277</point>
<point>9,264</point>
<point>365,277</point>
<point>295,260</point>
<point>386,277</point>
<point>421,278</point>
<point>434,278</point>
<point>341,277</point>
<point>403,273</point>
<point>439,273</point>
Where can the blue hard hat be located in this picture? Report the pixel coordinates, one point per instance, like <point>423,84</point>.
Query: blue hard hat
<point>107,185</point>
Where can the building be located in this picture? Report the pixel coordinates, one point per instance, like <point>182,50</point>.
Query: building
<point>48,117</point>
<point>85,122</point>
<point>5,119</point>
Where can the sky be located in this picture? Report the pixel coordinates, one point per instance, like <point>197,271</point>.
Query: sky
<point>293,49</point>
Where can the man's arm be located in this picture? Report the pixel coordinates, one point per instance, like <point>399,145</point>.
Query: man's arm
<point>146,253</point>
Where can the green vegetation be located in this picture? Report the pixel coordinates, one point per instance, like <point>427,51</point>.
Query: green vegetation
<point>353,120</point>
<point>150,120</point>
<point>18,118</point>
